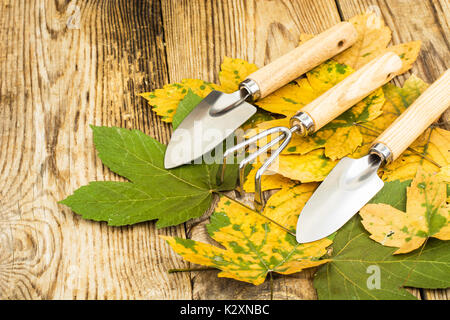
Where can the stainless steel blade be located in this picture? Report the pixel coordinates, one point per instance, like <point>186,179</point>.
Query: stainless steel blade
<point>348,187</point>
<point>202,130</point>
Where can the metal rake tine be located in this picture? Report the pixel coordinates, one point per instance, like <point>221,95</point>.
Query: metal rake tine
<point>258,152</point>
<point>221,172</point>
<point>259,201</point>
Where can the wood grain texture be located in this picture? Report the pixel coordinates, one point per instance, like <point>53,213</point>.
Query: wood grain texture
<point>353,89</point>
<point>66,64</point>
<point>199,34</point>
<point>55,82</point>
<point>428,21</point>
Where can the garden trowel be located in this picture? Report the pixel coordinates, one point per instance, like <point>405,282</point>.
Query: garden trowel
<point>219,114</point>
<point>353,182</point>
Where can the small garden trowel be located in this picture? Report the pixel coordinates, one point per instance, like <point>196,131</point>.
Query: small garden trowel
<point>219,114</point>
<point>353,182</point>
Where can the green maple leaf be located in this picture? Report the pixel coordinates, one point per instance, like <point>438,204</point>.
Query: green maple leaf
<point>171,196</point>
<point>355,257</point>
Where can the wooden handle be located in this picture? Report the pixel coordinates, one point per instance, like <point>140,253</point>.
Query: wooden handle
<point>304,58</point>
<point>353,89</point>
<point>419,116</point>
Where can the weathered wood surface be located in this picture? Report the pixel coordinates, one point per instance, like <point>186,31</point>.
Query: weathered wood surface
<point>67,64</point>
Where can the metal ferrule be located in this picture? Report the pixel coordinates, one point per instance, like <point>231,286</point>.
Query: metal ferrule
<point>252,88</point>
<point>304,122</point>
<point>383,152</point>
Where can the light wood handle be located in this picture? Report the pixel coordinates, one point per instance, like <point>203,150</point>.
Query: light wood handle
<point>304,58</point>
<point>353,89</point>
<point>419,116</point>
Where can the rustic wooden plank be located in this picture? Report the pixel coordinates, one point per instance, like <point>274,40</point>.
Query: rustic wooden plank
<point>56,79</point>
<point>427,21</point>
<point>199,34</point>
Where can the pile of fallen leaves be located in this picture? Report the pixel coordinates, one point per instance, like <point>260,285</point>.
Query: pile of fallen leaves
<point>407,220</point>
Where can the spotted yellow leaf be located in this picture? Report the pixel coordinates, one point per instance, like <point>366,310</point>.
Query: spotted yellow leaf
<point>397,99</point>
<point>407,52</point>
<point>373,39</point>
<point>289,99</point>
<point>253,246</point>
<point>233,72</point>
<point>427,215</point>
<point>310,167</point>
<point>431,151</point>
<point>341,136</point>
<point>165,101</point>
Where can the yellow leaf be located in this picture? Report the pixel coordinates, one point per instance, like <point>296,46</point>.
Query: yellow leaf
<point>433,144</point>
<point>444,174</point>
<point>292,97</point>
<point>254,246</point>
<point>427,215</point>
<point>407,52</point>
<point>269,181</point>
<point>341,136</point>
<point>373,38</point>
<point>313,166</point>
<point>165,101</point>
<point>396,101</point>
<point>233,72</point>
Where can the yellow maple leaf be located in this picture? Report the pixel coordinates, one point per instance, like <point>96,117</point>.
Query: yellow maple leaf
<point>396,101</point>
<point>431,151</point>
<point>233,72</point>
<point>341,136</point>
<point>290,98</point>
<point>427,215</point>
<point>254,246</point>
<point>372,41</point>
<point>165,101</point>
<point>310,167</point>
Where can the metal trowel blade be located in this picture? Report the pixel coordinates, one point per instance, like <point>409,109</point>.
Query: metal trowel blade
<point>202,130</point>
<point>348,187</point>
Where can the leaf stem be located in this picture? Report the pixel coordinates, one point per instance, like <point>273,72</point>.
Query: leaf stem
<point>189,270</point>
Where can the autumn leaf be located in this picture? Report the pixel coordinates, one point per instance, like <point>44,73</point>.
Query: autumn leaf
<point>165,101</point>
<point>233,72</point>
<point>362,269</point>
<point>253,245</point>
<point>171,196</point>
<point>372,41</point>
<point>431,151</point>
<point>427,215</point>
<point>297,166</point>
<point>341,136</point>
<point>397,99</point>
<point>290,98</point>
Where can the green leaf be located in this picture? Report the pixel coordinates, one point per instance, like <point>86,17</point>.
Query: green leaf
<point>171,196</point>
<point>355,257</point>
<point>189,102</point>
<point>393,193</point>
